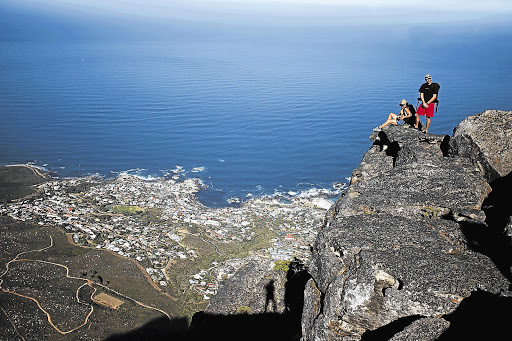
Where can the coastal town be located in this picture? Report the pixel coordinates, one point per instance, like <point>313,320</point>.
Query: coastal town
<point>160,223</point>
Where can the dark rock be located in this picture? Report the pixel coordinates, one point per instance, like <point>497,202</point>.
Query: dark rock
<point>486,140</point>
<point>313,297</point>
<point>254,289</point>
<point>414,180</point>
<point>375,269</point>
<point>398,245</point>
<point>482,316</point>
<point>417,189</point>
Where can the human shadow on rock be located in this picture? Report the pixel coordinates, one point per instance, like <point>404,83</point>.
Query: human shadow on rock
<point>270,296</point>
<point>266,326</point>
<point>391,148</point>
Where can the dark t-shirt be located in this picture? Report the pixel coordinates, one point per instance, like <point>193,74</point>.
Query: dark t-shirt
<point>429,90</point>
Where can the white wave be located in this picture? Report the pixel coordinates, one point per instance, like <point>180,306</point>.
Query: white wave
<point>138,173</point>
<point>198,169</point>
<point>176,170</point>
<point>234,200</point>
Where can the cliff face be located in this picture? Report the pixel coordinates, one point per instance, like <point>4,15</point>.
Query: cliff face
<point>415,234</point>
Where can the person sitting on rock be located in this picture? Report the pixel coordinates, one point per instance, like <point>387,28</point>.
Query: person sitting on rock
<point>407,110</point>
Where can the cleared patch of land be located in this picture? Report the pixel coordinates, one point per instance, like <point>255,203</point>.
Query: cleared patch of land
<point>107,300</point>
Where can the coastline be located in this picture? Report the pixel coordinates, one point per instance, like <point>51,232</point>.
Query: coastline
<point>315,194</point>
<point>182,247</point>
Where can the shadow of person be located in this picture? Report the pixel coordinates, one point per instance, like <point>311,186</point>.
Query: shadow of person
<point>270,296</point>
<point>296,279</point>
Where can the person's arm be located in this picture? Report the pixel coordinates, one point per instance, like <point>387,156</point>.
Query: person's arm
<point>432,99</point>
<point>407,113</point>
<point>423,103</point>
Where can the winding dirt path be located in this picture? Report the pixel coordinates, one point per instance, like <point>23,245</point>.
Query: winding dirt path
<point>87,283</point>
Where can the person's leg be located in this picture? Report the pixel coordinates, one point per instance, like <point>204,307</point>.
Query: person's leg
<point>391,119</point>
<point>429,112</point>
<point>418,114</point>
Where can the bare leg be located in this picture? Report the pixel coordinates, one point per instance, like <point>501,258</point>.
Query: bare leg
<point>428,124</point>
<point>391,119</point>
<point>417,121</point>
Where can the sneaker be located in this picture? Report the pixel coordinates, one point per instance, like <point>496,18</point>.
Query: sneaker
<point>377,129</point>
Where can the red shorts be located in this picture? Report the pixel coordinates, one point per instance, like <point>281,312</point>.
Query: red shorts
<point>430,110</point>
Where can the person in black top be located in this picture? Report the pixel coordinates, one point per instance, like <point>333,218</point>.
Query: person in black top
<point>428,96</point>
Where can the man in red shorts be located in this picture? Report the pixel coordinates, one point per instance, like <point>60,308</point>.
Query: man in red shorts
<point>428,95</point>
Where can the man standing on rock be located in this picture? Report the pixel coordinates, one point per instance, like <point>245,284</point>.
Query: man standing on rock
<point>428,95</point>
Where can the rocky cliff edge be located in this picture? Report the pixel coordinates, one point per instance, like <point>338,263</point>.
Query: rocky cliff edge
<point>421,228</point>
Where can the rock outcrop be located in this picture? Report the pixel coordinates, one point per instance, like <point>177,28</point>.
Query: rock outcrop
<point>257,287</point>
<point>398,244</point>
<point>263,300</point>
<point>486,140</point>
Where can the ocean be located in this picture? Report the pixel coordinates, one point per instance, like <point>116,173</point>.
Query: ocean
<point>286,114</point>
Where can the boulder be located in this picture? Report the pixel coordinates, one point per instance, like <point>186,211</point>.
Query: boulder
<point>257,287</point>
<point>377,268</point>
<point>486,140</point>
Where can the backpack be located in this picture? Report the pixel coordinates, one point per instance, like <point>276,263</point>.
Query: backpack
<point>411,109</point>
<point>411,120</point>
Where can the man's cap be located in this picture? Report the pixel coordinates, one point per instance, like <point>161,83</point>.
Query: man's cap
<point>403,102</point>
<point>428,76</point>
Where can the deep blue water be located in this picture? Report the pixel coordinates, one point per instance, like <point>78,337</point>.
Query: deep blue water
<point>260,115</point>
